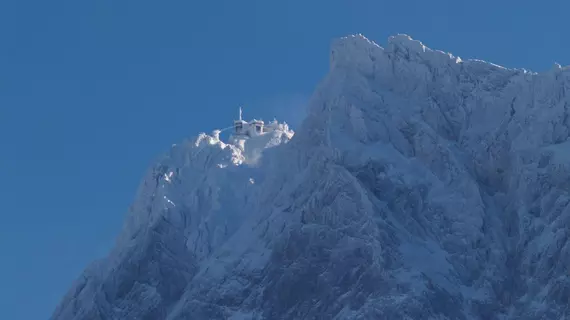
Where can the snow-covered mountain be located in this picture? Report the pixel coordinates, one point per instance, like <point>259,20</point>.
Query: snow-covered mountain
<point>420,186</point>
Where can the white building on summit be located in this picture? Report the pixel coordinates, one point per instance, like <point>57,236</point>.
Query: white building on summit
<point>251,137</point>
<point>253,128</point>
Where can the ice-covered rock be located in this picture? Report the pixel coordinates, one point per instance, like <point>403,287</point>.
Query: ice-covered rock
<point>420,186</point>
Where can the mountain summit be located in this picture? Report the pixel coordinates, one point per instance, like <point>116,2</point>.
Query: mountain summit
<point>420,186</point>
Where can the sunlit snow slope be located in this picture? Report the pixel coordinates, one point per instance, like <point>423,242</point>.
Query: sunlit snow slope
<point>420,186</point>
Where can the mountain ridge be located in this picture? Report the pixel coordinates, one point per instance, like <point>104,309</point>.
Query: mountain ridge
<point>420,186</point>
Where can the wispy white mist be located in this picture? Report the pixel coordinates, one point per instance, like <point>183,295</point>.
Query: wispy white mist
<point>290,108</point>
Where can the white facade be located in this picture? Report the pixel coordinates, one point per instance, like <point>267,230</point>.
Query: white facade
<point>248,129</point>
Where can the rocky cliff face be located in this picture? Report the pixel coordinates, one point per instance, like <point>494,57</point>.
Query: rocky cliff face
<point>420,186</point>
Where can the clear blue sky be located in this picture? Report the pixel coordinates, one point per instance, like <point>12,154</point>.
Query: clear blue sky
<point>92,91</point>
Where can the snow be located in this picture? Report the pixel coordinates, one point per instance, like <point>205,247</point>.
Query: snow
<point>560,152</point>
<point>427,259</point>
<point>168,177</point>
<point>242,316</point>
<point>169,201</point>
<point>420,185</point>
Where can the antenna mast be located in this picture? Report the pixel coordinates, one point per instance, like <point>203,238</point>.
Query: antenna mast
<point>240,113</point>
